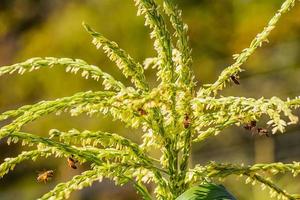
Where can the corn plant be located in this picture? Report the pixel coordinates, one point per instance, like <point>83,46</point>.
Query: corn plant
<point>171,117</point>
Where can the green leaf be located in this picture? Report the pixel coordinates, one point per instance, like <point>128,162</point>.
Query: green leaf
<point>207,191</point>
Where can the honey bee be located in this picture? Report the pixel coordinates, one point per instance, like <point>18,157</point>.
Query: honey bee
<point>186,121</point>
<point>45,176</point>
<point>234,79</point>
<point>142,111</point>
<point>260,131</point>
<point>72,162</point>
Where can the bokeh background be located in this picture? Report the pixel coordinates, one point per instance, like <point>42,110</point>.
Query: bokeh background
<point>217,29</point>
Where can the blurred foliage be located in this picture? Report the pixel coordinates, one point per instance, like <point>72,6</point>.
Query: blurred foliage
<point>218,29</point>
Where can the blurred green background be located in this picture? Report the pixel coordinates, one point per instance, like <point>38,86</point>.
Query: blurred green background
<point>217,29</point>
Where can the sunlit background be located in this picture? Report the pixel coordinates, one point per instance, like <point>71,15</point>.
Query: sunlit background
<point>217,29</point>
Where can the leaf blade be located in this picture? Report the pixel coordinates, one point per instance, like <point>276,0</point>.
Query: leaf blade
<point>206,191</point>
